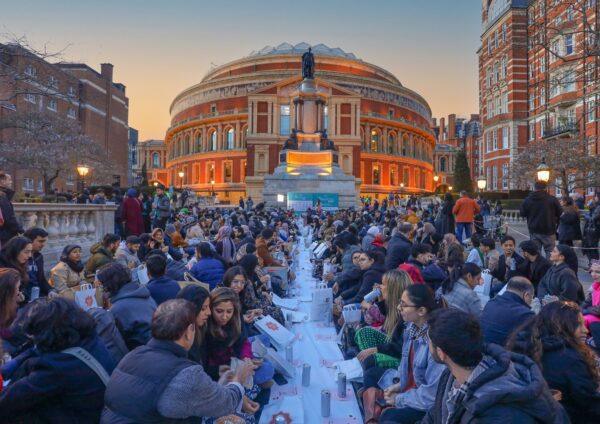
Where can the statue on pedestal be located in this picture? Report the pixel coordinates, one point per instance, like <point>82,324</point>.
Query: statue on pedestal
<point>326,143</point>
<point>308,65</point>
<point>292,142</point>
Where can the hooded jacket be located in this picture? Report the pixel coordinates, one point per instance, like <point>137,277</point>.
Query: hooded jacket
<point>132,308</point>
<point>124,256</point>
<point>100,256</point>
<point>542,212</point>
<point>512,390</point>
<point>398,251</point>
<point>561,281</point>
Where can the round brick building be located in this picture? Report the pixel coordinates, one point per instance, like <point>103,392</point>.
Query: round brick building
<point>226,132</point>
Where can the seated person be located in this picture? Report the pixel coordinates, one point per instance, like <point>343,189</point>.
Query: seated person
<point>508,264</point>
<point>209,268</point>
<point>535,266</point>
<point>487,245</point>
<point>502,314</point>
<point>457,290</point>
<point>161,287</point>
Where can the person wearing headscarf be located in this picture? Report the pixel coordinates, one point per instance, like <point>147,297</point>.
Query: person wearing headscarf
<point>131,214</point>
<point>225,245</point>
<point>68,272</point>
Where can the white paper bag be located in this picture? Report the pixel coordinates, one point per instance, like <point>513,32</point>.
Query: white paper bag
<point>352,313</point>
<point>279,335</point>
<point>142,274</point>
<point>86,297</point>
<point>322,303</point>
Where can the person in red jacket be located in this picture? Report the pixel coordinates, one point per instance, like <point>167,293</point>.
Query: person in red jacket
<point>131,213</point>
<point>464,210</point>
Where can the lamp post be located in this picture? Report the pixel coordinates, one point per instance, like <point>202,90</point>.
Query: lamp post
<point>543,171</point>
<point>481,183</point>
<point>181,175</point>
<point>450,189</point>
<point>82,170</point>
<point>155,184</point>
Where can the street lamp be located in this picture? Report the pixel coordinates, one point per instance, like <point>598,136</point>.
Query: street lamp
<point>82,170</point>
<point>543,171</point>
<point>401,188</point>
<point>181,175</point>
<point>436,178</point>
<point>155,183</point>
<point>481,183</point>
<point>450,188</point>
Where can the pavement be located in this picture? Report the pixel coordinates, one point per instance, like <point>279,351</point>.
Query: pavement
<point>520,233</point>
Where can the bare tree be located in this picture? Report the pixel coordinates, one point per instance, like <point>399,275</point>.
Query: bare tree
<point>53,146</point>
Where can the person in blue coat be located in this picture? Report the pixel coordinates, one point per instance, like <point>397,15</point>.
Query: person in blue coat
<point>209,269</point>
<point>51,385</point>
<point>132,305</point>
<point>502,314</point>
<point>161,287</point>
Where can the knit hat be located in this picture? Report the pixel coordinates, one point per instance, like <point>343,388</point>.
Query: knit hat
<point>132,192</point>
<point>67,251</point>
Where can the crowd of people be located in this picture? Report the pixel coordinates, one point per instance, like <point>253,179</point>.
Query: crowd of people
<point>454,328</point>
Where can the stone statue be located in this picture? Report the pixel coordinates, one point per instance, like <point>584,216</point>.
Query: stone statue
<point>292,142</point>
<point>326,143</point>
<point>308,65</point>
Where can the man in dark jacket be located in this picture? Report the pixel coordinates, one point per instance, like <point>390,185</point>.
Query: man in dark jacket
<point>398,250</point>
<point>508,263</point>
<point>484,384</point>
<point>502,314</point>
<point>161,287</point>
<point>102,253</point>
<point>9,226</point>
<point>162,205</point>
<point>158,383</point>
<point>542,212</point>
<point>35,264</point>
<point>535,265</point>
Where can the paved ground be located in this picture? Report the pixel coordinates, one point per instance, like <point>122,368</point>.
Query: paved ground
<point>520,233</point>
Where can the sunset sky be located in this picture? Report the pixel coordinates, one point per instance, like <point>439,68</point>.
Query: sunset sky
<point>159,48</point>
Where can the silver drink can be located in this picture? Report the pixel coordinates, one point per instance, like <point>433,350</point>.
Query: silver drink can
<point>372,296</point>
<point>35,293</point>
<point>288,321</point>
<point>306,375</point>
<point>279,419</point>
<point>341,379</point>
<point>289,353</point>
<point>325,403</point>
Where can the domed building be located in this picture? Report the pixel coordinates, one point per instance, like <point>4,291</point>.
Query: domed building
<point>227,131</point>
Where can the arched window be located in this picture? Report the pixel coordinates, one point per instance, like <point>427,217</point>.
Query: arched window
<point>155,160</point>
<point>391,141</point>
<point>443,165</point>
<point>198,144</point>
<point>374,141</point>
<point>405,145</point>
<point>212,146</point>
<point>230,139</point>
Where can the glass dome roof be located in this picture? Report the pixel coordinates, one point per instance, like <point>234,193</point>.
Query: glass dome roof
<point>287,48</point>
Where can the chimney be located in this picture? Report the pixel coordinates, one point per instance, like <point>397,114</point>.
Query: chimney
<point>442,130</point>
<point>106,69</point>
<point>451,126</point>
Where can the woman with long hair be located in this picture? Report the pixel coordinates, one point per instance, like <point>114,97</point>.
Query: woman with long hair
<point>418,373</point>
<point>561,279</point>
<point>569,227</point>
<point>458,288</point>
<point>15,254</point>
<point>68,273</point>
<point>556,340</point>
<point>10,297</point>
<point>200,297</point>
<point>382,349</point>
<point>253,303</point>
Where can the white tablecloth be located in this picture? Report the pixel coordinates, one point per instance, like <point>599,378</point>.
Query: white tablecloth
<point>316,345</point>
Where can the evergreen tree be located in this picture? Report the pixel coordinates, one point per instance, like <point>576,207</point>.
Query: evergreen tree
<point>144,175</point>
<point>462,173</point>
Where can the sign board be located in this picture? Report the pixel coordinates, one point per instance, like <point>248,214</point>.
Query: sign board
<point>300,202</point>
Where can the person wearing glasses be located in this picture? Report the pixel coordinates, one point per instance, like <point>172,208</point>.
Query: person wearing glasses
<point>419,373</point>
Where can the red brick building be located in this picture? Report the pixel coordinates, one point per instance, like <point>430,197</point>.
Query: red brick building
<point>73,90</point>
<point>229,128</point>
<point>538,81</point>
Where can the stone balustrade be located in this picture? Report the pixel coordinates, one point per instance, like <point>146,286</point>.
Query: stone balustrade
<point>67,223</point>
<point>512,216</point>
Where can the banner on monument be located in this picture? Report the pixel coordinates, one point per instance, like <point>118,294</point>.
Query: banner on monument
<point>300,202</point>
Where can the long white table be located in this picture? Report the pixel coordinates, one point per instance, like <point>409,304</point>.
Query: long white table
<point>316,345</point>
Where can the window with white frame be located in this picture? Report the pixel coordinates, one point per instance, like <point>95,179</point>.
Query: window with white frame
<point>71,91</point>
<point>488,77</point>
<point>554,88</point>
<point>495,177</point>
<point>30,71</point>
<point>496,105</point>
<point>52,105</point>
<point>505,176</point>
<point>30,98</point>
<point>71,113</point>
<point>554,50</point>
<point>230,135</point>
<point>531,131</point>
<point>531,100</point>
<point>542,127</point>
<point>488,146</point>
<point>569,44</point>
<point>542,96</point>
<point>504,67</point>
<point>558,183</point>
<point>488,175</point>
<point>27,184</point>
<point>495,139</point>
<point>531,70</point>
<point>52,82</point>
<point>40,186</point>
<point>558,20</point>
<point>570,15</point>
<point>504,31</point>
<point>591,111</point>
<point>504,103</point>
<point>571,116</point>
<point>505,137</point>
<point>496,39</point>
<point>590,68</point>
<point>284,120</point>
<point>489,109</point>
<point>542,64</point>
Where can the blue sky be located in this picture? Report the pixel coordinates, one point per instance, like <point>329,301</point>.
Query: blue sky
<point>159,48</point>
